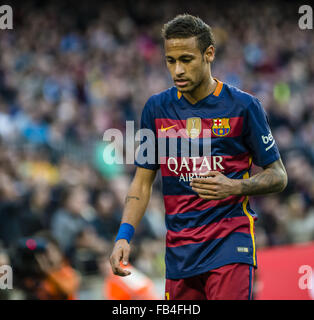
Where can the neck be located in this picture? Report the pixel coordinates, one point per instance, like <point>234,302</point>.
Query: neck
<point>203,90</point>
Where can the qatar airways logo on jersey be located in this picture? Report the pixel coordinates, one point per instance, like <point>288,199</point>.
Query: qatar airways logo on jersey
<point>187,168</point>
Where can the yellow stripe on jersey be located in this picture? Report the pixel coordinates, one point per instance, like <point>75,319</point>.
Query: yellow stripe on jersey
<point>244,204</point>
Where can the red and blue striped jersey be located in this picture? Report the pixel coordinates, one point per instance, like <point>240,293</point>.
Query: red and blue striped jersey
<point>230,130</point>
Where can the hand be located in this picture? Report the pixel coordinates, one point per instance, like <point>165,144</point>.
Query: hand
<point>121,252</point>
<point>214,186</point>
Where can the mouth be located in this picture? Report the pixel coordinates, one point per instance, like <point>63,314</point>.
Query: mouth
<point>181,83</point>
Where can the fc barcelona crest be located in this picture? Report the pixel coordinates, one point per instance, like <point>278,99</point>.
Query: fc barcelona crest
<point>193,127</point>
<point>221,127</point>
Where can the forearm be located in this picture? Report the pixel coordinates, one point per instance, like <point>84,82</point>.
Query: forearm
<point>135,206</point>
<point>265,182</point>
<point>136,203</point>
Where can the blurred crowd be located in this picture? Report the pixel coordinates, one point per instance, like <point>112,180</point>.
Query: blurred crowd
<point>69,71</point>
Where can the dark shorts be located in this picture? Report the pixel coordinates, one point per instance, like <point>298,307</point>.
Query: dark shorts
<point>229,282</point>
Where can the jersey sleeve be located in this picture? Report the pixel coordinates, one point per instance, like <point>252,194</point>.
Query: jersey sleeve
<point>258,136</point>
<point>147,155</point>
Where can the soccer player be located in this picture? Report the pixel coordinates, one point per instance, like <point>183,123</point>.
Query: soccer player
<point>210,241</point>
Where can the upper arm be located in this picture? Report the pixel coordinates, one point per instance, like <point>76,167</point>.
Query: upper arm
<point>279,169</point>
<point>147,156</point>
<point>258,137</point>
<point>276,165</point>
<point>144,177</point>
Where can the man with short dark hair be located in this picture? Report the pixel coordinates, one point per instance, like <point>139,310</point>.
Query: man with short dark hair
<point>210,242</point>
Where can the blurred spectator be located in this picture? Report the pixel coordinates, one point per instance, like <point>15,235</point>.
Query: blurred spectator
<point>46,275</point>
<point>72,227</point>
<point>299,221</point>
<point>34,216</point>
<point>108,216</point>
<point>10,206</point>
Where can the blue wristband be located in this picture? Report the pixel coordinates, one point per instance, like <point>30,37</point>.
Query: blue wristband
<point>126,232</point>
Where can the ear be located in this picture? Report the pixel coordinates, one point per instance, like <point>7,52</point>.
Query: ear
<point>209,54</point>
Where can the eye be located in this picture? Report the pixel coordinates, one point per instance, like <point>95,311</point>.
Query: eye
<point>186,60</point>
<point>171,61</point>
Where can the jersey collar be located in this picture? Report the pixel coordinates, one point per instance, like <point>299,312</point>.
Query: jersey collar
<point>215,93</point>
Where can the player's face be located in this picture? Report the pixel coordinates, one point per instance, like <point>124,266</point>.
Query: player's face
<point>187,65</point>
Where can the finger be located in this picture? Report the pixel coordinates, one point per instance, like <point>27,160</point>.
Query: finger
<point>118,270</point>
<point>206,186</point>
<point>203,181</point>
<point>121,272</point>
<point>115,263</point>
<point>126,253</point>
<point>115,260</point>
<point>205,192</point>
<point>209,173</point>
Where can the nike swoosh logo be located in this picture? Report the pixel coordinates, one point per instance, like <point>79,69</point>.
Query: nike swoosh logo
<point>165,129</point>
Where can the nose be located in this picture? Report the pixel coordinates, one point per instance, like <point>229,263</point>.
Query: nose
<point>179,69</point>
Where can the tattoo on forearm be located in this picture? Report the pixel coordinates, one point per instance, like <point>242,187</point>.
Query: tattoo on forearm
<point>128,198</point>
<point>268,181</point>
